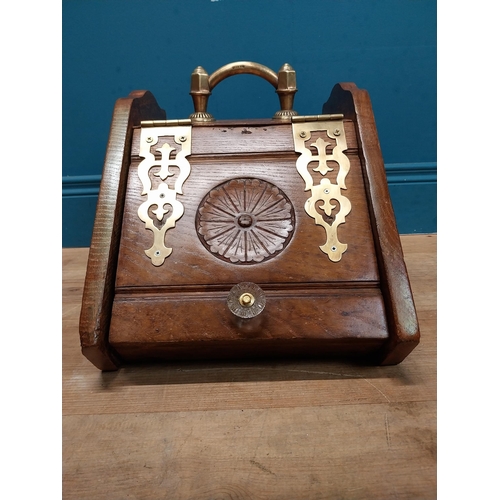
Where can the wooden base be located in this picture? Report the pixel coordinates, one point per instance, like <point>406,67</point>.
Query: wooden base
<point>251,430</point>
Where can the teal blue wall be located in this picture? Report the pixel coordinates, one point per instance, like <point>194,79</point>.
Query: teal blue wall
<point>387,47</point>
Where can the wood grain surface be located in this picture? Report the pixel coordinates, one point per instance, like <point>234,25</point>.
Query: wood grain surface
<point>267,430</point>
<point>101,267</point>
<point>118,324</point>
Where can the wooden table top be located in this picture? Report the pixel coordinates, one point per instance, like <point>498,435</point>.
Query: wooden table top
<point>269,430</point>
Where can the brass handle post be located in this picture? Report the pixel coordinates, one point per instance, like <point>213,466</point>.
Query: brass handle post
<point>202,85</point>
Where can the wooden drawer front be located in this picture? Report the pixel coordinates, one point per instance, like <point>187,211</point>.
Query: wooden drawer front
<point>197,325</point>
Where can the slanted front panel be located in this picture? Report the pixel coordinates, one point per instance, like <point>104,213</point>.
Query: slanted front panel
<point>244,219</point>
<point>295,257</point>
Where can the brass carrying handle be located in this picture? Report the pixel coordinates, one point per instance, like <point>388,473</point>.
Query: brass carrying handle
<point>202,85</point>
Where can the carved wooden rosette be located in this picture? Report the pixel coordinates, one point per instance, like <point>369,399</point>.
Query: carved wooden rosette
<point>176,142</point>
<point>327,205</point>
<point>245,221</point>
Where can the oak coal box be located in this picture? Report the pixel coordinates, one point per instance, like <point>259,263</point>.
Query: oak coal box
<point>245,238</point>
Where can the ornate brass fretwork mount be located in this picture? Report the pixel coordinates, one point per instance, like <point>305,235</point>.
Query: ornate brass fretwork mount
<point>328,190</point>
<point>163,144</point>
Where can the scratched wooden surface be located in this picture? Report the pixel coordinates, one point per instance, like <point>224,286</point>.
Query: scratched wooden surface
<point>274,430</point>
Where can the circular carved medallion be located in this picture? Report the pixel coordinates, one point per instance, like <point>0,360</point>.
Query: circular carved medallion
<point>245,221</point>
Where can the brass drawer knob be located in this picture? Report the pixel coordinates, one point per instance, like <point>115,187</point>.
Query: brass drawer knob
<point>246,300</point>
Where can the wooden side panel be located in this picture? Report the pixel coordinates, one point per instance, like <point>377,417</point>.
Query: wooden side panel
<point>355,104</point>
<point>101,267</point>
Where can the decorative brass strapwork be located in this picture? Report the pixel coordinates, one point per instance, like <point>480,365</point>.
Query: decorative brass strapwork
<point>202,85</point>
<point>162,146</point>
<point>326,196</point>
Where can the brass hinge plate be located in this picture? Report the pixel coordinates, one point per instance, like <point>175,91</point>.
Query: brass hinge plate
<point>173,141</point>
<point>316,118</point>
<point>329,189</point>
<point>165,123</point>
